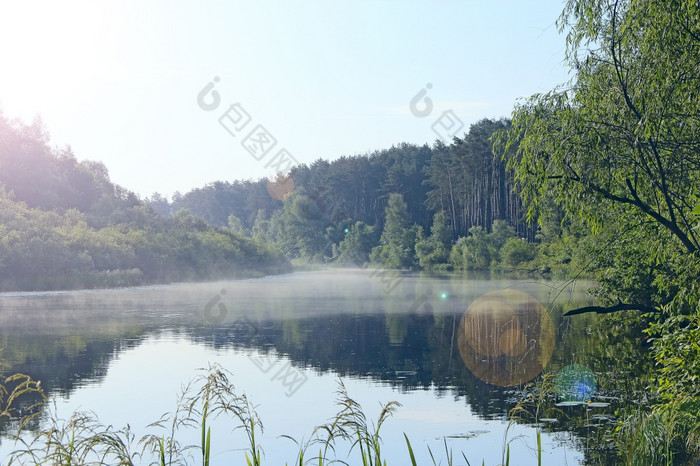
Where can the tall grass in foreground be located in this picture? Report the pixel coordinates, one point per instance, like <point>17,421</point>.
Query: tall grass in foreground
<point>18,386</point>
<point>83,440</point>
<point>80,440</point>
<point>351,424</point>
<point>666,435</point>
<point>535,398</point>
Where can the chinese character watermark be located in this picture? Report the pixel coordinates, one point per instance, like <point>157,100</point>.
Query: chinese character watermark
<point>446,126</point>
<point>258,142</point>
<point>290,377</point>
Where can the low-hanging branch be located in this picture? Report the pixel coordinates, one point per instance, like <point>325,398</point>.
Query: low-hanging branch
<point>610,309</point>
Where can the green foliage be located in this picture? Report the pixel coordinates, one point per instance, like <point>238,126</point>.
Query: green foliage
<point>471,183</point>
<point>482,250</point>
<point>261,227</point>
<point>346,188</point>
<point>46,178</point>
<point>45,250</point>
<point>465,180</point>
<point>63,224</point>
<point>217,201</point>
<point>310,224</point>
<point>666,435</point>
<point>299,228</point>
<point>435,249</point>
<point>235,225</point>
<point>618,151</point>
<point>620,144</point>
<point>517,251</point>
<point>676,351</point>
<point>472,252</point>
<point>356,246</point>
<point>440,231</point>
<point>566,247</point>
<point>501,232</point>
<point>396,248</point>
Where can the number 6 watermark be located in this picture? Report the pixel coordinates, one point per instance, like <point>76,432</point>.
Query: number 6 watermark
<point>258,143</point>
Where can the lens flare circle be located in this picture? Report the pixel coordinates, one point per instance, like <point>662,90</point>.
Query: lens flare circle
<point>281,187</point>
<point>576,382</point>
<point>506,337</point>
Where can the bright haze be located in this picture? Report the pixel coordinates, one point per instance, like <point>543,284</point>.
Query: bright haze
<point>118,81</point>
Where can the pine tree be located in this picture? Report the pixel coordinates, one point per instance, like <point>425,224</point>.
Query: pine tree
<point>397,243</point>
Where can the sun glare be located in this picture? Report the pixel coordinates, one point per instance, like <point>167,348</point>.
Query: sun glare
<point>50,58</point>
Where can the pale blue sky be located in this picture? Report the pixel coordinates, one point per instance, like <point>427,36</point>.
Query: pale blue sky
<point>118,81</point>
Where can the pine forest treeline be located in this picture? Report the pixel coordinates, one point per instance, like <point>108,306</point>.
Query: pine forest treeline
<point>90,232</point>
<point>465,180</point>
<point>338,210</point>
<point>472,185</point>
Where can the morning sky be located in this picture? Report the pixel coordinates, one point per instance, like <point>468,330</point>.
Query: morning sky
<point>119,81</point>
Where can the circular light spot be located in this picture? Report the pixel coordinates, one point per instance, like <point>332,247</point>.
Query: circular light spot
<point>484,322</point>
<point>506,337</point>
<point>512,342</point>
<point>281,187</point>
<point>576,382</point>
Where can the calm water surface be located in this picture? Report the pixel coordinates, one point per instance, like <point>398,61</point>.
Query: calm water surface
<point>126,354</point>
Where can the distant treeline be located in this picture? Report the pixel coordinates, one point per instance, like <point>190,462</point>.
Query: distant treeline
<point>63,224</point>
<point>465,180</point>
<point>446,206</point>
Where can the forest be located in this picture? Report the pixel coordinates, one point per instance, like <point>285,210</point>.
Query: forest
<point>64,225</point>
<point>598,178</point>
<point>68,226</point>
<point>407,207</point>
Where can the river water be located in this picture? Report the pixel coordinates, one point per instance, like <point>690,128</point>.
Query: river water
<point>453,350</point>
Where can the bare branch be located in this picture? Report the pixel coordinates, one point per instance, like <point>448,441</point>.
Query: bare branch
<point>610,309</point>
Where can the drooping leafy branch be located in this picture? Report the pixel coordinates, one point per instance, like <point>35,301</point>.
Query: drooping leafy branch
<point>622,141</point>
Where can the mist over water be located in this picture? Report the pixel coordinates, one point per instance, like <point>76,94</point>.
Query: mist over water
<point>125,354</point>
